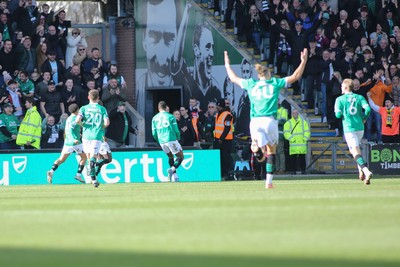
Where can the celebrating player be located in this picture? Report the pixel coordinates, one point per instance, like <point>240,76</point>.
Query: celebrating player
<point>349,107</point>
<point>166,132</point>
<point>93,118</point>
<point>72,143</point>
<point>263,95</point>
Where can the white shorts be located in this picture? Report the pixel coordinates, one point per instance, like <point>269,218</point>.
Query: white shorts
<point>78,149</point>
<point>353,139</point>
<point>172,146</point>
<point>264,130</point>
<point>104,148</point>
<point>91,146</point>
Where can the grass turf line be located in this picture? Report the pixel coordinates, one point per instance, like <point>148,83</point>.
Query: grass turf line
<point>310,222</point>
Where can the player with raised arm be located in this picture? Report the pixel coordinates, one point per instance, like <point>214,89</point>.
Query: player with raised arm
<point>93,118</point>
<point>166,132</point>
<point>264,94</point>
<point>72,143</point>
<point>349,107</point>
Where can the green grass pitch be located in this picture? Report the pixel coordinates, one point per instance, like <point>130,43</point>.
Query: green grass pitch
<point>309,221</point>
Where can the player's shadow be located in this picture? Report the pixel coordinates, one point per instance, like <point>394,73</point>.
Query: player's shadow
<point>10,257</point>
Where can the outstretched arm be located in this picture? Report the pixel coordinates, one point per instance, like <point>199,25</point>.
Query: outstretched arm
<point>231,74</point>
<point>300,69</point>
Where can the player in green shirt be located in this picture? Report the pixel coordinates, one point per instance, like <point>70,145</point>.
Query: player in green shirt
<point>264,95</point>
<point>72,143</point>
<point>166,132</point>
<point>9,124</point>
<point>93,118</point>
<point>349,107</point>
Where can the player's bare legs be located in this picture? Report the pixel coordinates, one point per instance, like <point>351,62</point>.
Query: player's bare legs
<point>356,152</point>
<point>270,152</point>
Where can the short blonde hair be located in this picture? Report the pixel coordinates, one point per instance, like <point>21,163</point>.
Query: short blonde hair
<point>349,84</point>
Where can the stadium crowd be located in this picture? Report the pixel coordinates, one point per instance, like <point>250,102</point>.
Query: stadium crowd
<point>46,65</point>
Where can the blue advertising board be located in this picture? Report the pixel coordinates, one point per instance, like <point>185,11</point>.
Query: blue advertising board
<point>30,168</point>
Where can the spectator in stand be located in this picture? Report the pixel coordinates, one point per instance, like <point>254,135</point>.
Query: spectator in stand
<point>326,26</point>
<point>258,26</point>
<point>35,78</point>
<point>39,36</point>
<point>112,95</point>
<point>17,38</point>
<point>90,84</point>
<point>366,64</point>
<point>359,75</point>
<point>312,72</point>
<point>376,36</point>
<point>297,132</point>
<point>62,25</point>
<point>299,39</point>
<point>9,124</point>
<point>390,119</point>
<point>353,33</point>
<point>185,127</point>
<point>15,98</point>
<point>6,27</point>
<point>8,60</point>
<point>26,16</point>
<point>120,126</point>
<point>47,14</point>
<point>361,48</point>
<point>228,14</point>
<point>41,54</point>
<point>395,95</point>
<point>70,94</point>
<point>386,20</point>
<point>52,132</point>
<point>80,55</point>
<point>41,87</point>
<point>393,71</point>
<point>378,92</point>
<point>339,36</point>
<point>30,131</point>
<point>334,91</point>
<point>367,22</point>
<point>54,42</point>
<point>74,73</point>
<point>51,102</point>
<point>55,67</point>
<point>383,50</point>
<point>95,61</point>
<point>346,65</point>
<point>26,56</point>
<point>95,76</point>
<point>284,51</point>
<point>321,40</point>
<point>113,74</point>
<point>74,40</point>
<point>26,86</point>
<point>243,21</point>
<point>326,76</point>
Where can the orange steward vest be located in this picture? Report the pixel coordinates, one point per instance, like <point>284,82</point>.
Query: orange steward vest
<point>220,126</point>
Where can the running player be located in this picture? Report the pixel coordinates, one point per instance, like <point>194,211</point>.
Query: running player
<point>264,94</point>
<point>166,132</point>
<point>349,107</point>
<point>72,143</point>
<point>93,118</point>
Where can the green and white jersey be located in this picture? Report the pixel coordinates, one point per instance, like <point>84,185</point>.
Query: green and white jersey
<point>72,131</point>
<point>165,128</point>
<point>11,123</point>
<point>350,107</point>
<point>263,95</point>
<point>93,116</point>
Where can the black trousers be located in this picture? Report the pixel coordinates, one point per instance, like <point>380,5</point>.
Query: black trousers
<point>297,161</point>
<point>225,148</point>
